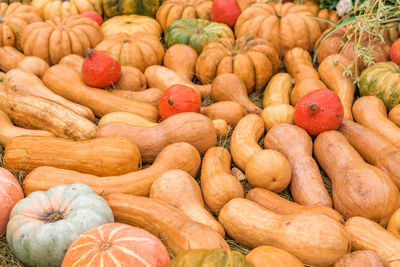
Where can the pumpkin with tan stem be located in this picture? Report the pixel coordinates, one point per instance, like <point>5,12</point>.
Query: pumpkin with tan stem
<point>254,60</point>
<point>131,24</point>
<point>139,50</point>
<point>50,9</point>
<point>46,223</point>
<point>14,18</point>
<point>285,26</point>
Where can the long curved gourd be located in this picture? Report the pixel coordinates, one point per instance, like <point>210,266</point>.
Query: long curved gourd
<point>267,256</point>
<point>361,258</point>
<point>229,111</point>
<point>66,82</point>
<point>307,186</point>
<point>358,189</point>
<point>181,156</point>
<point>150,95</point>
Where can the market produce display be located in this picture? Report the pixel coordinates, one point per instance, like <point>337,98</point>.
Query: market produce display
<point>199,133</point>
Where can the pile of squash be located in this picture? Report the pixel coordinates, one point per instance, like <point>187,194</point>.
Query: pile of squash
<point>106,182</point>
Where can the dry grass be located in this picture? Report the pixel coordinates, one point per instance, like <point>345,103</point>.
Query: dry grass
<point>6,258</point>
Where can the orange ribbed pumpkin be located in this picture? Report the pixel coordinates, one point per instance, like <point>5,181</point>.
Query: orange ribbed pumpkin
<point>116,244</point>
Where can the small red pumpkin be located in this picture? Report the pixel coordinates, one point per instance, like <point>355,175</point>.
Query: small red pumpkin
<point>318,111</point>
<point>177,99</point>
<point>225,11</point>
<point>10,194</point>
<point>94,16</point>
<point>116,244</point>
<point>395,52</point>
<point>100,69</point>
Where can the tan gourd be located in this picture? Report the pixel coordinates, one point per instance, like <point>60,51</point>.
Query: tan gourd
<point>217,183</point>
<point>263,168</point>
<point>267,256</point>
<point>366,234</point>
<point>394,115</point>
<point>229,87</point>
<point>361,258</point>
<point>67,82</point>
<point>229,111</point>
<point>277,114</point>
<point>181,156</point>
<point>150,95</point>
<point>131,79</point>
<point>221,127</point>
<point>374,148</point>
<point>278,204</point>
<point>126,118</point>
<point>394,223</point>
<point>358,189</point>
<point>370,112</point>
<point>8,131</point>
<point>73,61</point>
<point>23,82</point>
<point>332,73</point>
<point>316,240</point>
<point>177,188</point>
<point>190,127</point>
<point>103,156</point>
<point>178,232</point>
<point>306,184</point>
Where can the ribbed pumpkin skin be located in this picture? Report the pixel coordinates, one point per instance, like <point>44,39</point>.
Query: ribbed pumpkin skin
<point>131,24</point>
<point>195,33</point>
<point>210,258</point>
<point>383,81</point>
<point>116,243</point>
<point>49,9</point>
<point>15,1</point>
<point>126,7</point>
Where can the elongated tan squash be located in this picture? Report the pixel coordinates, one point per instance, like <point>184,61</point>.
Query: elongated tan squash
<point>67,82</point>
<point>177,188</point>
<point>316,240</point>
<point>181,58</point>
<point>126,118</point>
<point>100,156</point>
<point>217,183</point>
<point>394,115</point>
<point>151,96</point>
<point>229,111</point>
<point>361,258</point>
<point>181,156</point>
<point>178,232</point>
<point>38,113</point>
<point>394,223</point>
<point>267,256</point>
<point>221,127</point>
<point>8,131</point>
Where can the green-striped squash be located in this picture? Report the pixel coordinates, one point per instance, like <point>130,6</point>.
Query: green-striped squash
<point>210,258</point>
<point>383,81</point>
<point>196,33</point>
<point>126,7</point>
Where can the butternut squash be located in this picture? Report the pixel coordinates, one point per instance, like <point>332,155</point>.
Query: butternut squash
<point>181,156</point>
<point>38,113</point>
<point>358,189</point>
<point>306,185</point>
<point>361,258</point>
<point>374,148</point>
<point>23,82</point>
<point>278,204</point>
<point>221,127</point>
<point>263,168</point>
<point>366,234</point>
<point>314,239</point>
<point>394,223</point>
<point>101,156</point>
<point>151,96</point>
<point>267,256</point>
<point>277,114</point>
<point>178,232</point>
<point>217,183</point>
<point>66,82</point>
<point>229,87</point>
<point>278,90</point>
<point>8,131</point>
<point>73,61</point>
<point>332,73</point>
<point>131,79</point>
<point>177,188</point>
<point>370,112</point>
<point>126,118</point>
<point>229,111</point>
<point>394,115</point>
<point>191,127</point>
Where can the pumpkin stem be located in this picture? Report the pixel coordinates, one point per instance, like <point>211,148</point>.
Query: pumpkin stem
<point>170,101</point>
<point>53,216</point>
<point>105,246</point>
<point>90,52</point>
<point>313,107</point>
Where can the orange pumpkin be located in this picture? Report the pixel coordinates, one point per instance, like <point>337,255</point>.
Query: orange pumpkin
<point>116,244</point>
<point>177,99</point>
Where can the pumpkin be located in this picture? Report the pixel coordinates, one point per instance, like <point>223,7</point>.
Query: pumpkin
<point>267,256</point>
<point>226,12</point>
<point>173,10</point>
<point>18,1</point>
<point>14,18</point>
<point>93,15</point>
<point>43,225</point>
<point>253,60</point>
<point>319,111</point>
<point>178,99</point>
<point>49,9</point>
<point>285,26</point>
<point>131,24</point>
<point>100,69</point>
<point>116,244</point>
<point>139,50</point>
<point>114,8</point>
<point>195,33</point>
<point>382,80</point>
<point>10,194</point>
<point>361,258</point>
<point>77,34</point>
<point>395,52</point>
<point>210,257</point>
